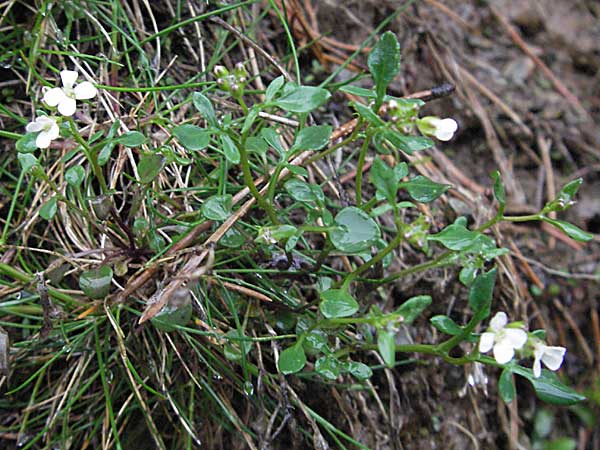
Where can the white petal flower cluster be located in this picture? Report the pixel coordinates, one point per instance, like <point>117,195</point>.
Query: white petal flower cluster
<point>64,98</point>
<point>504,341</point>
<point>552,357</point>
<point>47,130</point>
<point>442,129</point>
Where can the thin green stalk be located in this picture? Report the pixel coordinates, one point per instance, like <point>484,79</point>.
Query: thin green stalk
<point>90,155</point>
<point>262,203</point>
<point>359,169</point>
<point>11,209</point>
<point>528,218</point>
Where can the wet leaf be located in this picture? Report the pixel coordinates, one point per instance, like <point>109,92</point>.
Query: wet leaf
<point>358,370</point>
<point>386,344</point>
<point>292,360</point>
<point>230,149</point>
<point>481,293</point>
<point>446,325</point>
<point>384,62</point>
<point>506,386</point>
<point>455,236</point>
<point>96,283</point>
<point>337,303</point>
<point>413,307</point>
<point>273,88</point>
<point>75,176</point>
<point>357,232</point>
<point>192,137</point>
<point>570,230</point>
<point>304,192</point>
<point>150,166</point>
<point>312,138</point>
<point>217,207</point>
<point>27,161</point>
<point>328,367</point>
<point>235,349</point>
<point>205,108</point>
<point>27,144</point>
<point>131,139</point>
<point>303,99</point>
<point>423,190</point>
<point>48,210</point>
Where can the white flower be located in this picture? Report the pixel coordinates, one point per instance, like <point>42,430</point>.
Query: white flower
<point>47,128</point>
<point>444,128</point>
<point>503,340</point>
<point>64,98</point>
<point>552,357</point>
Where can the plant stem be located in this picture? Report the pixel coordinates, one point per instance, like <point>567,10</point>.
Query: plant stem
<point>260,200</point>
<point>359,170</point>
<point>90,155</point>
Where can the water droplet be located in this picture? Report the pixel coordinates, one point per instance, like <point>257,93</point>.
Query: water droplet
<point>217,376</point>
<point>248,388</point>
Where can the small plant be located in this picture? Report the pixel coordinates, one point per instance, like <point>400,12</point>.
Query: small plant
<point>294,223</point>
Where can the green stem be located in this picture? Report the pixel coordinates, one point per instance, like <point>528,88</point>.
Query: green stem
<point>90,155</point>
<point>11,209</point>
<point>359,170</point>
<point>260,200</point>
<point>528,218</point>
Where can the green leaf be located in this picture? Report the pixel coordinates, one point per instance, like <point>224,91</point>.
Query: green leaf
<point>273,88</point>
<point>549,388</point>
<point>423,190</point>
<point>386,344</point>
<point>408,144</point>
<point>467,275</point>
<point>170,317</point>
<point>27,161</point>
<point>27,144</point>
<point>303,99</point>
<point>150,166</point>
<point>217,207</point>
<point>271,136</point>
<point>358,91</point>
<point>384,63</point>
<point>455,236</point>
<point>236,347</point>
<point>384,179</point>
<point>304,192</point>
<point>481,293</point>
<point>315,342</point>
<point>312,138</point>
<point>232,239</point>
<point>256,144</point>
<point>562,443</point>
<point>292,359</point>
<point>446,325</point>
<point>105,152</point>
<point>570,230</point>
<point>499,192</point>
<point>413,307</point>
<point>357,231</point>
<point>205,108</point>
<point>328,367</point>
<point>192,137</point>
<point>506,386</point>
<point>336,303</point>
<point>131,139</point>
<point>48,210</point>
<point>75,176</point>
<point>95,283</point>
<point>232,154</point>
<point>358,370</point>
<point>367,114</point>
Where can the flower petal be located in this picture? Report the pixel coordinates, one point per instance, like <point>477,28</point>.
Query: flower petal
<point>553,357</point>
<point>32,127</point>
<point>514,337</point>
<point>67,106</point>
<point>448,125</point>
<point>486,342</point>
<point>503,353</point>
<point>43,139</point>
<point>68,77</point>
<point>54,96</point>
<point>54,131</point>
<point>85,91</point>
<point>443,135</point>
<point>498,321</point>
<point>537,368</point>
